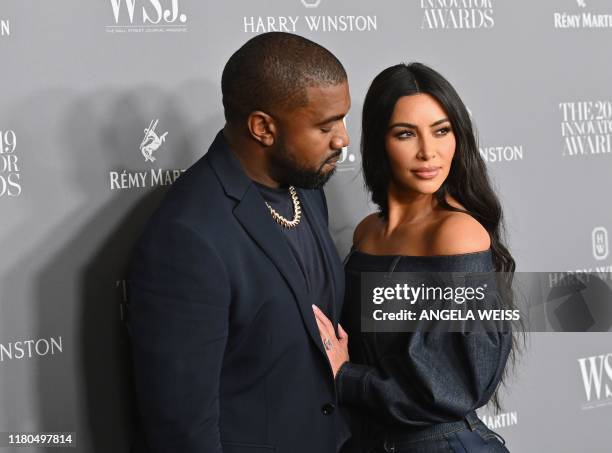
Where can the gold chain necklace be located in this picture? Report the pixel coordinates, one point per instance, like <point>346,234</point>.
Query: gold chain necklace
<point>297,211</point>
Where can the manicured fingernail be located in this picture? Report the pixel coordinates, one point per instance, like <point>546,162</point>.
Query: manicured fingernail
<point>314,307</point>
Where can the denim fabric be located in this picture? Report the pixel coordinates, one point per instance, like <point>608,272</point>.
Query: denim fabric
<point>397,383</point>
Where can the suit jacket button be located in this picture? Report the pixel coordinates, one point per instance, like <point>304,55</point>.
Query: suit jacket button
<point>328,408</point>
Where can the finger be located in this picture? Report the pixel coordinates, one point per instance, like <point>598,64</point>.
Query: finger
<point>320,317</point>
<point>342,333</point>
<point>319,313</point>
<point>321,326</point>
<point>326,337</point>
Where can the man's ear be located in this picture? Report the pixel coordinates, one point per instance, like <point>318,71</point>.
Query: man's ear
<point>262,127</point>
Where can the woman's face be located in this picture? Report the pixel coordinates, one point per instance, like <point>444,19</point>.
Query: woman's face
<point>420,144</point>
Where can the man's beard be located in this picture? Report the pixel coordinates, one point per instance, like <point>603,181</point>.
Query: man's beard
<point>288,171</point>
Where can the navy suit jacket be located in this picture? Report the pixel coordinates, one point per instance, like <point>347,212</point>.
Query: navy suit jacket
<point>226,351</point>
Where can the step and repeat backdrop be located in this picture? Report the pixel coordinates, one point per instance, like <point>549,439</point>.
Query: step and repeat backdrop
<point>103,104</point>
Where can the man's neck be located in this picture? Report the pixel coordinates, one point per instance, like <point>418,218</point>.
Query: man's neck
<point>251,156</point>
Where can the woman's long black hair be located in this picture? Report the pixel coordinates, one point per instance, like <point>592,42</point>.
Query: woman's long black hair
<point>467,181</point>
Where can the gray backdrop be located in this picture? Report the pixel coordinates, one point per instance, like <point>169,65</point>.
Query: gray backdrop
<point>81,81</point>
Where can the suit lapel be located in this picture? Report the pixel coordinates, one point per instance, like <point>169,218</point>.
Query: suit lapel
<point>252,213</point>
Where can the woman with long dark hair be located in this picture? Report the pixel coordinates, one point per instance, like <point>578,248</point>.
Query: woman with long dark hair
<point>418,392</point>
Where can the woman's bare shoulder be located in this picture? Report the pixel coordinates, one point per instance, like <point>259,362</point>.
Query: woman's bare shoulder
<point>367,225</point>
<point>459,233</point>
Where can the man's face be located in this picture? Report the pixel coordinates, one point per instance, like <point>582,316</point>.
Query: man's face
<point>311,138</point>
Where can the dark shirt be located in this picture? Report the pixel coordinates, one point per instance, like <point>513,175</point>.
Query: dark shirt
<point>305,247</point>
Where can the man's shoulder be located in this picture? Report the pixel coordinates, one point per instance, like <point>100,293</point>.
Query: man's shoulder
<point>196,198</point>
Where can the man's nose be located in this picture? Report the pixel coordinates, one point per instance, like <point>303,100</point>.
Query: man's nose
<point>341,140</point>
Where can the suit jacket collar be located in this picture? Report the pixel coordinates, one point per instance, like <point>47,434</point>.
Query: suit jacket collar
<point>232,177</point>
<point>254,216</point>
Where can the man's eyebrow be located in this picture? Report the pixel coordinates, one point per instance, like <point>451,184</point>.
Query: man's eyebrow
<point>330,119</point>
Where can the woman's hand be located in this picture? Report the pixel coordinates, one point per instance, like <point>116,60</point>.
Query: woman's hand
<point>336,348</point>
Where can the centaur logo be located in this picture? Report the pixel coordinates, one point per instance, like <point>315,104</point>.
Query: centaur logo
<point>151,177</point>
<point>151,141</point>
<point>152,15</point>
<point>597,378</point>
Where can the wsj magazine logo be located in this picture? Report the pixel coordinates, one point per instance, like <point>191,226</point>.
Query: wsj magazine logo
<point>348,159</point>
<point>10,167</point>
<point>311,23</point>
<point>150,144</point>
<point>5,27</point>
<point>583,16</point>
<point>601,248</point>
<point>596,373</point>
<point>135,16</point>
<point>586,128</point>
<point>457,14</point>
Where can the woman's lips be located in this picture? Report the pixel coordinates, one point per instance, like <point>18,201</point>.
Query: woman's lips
<point>428,173</point>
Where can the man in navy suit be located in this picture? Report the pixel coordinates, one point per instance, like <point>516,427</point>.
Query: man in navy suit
<point>227,354</point>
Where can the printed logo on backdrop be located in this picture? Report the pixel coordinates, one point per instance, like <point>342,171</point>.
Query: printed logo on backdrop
<point>502,420</point>
<point>312,22</point>
<point>137,16</point>
<point>5,28</point>
<point>10,166</point>
<point>27,349</point>
<point>586,128</point>
<point>348,159</point>
<point>596,373</point>
<point>600,248</point>
<point>581,14</point>
<point>600,243</point>
<point>151,141</point>
<point>500,153</point>
<point>311,3</point>
<point>506,153</point>
<point>579,299</point>
<point>457,14</point>
<point>150,145</point>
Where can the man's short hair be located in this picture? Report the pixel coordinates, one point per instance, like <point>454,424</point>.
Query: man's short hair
<point>271,72</point>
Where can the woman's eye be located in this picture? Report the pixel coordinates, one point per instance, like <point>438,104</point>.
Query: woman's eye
<point>443,131</point>
<point>405,134</point>
<point>326,129</point>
